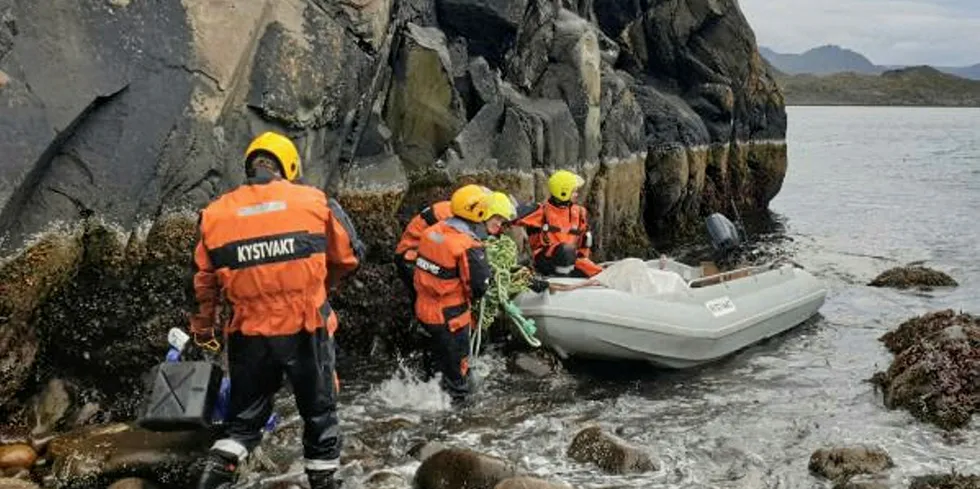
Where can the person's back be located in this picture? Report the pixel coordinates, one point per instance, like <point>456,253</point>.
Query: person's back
<point>268,242</point>
<point>444,289</point>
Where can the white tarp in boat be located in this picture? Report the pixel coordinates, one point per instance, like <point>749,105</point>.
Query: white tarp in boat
<point>633,276</point>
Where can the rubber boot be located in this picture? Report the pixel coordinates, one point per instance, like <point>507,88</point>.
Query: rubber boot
<point>220,471</point>
<point>321,479</point>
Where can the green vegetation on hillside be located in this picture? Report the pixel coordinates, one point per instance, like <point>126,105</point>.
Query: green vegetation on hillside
<point>916,86</point>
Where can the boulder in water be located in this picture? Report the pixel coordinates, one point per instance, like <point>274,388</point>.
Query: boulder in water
<point>840,463</point>
<point>530,483</point>
<point>609,452</point>
<point>936,371</point>
<point>19,456</point>
<point>913,276</point>
<point>536,363</point>
<point>454,468</point>
<point>946,481</point>
<point>864,481</point>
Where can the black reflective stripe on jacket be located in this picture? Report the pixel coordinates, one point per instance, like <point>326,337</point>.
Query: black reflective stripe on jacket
<point>429,215</point>
<point>276,248</point>
<point>430,267</point>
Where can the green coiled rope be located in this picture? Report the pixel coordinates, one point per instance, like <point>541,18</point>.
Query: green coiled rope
<point>504,284</point>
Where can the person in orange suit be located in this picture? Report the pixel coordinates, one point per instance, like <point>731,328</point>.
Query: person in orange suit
<point>270,247</point>
<point>558,230</point>
<point>451,271</point>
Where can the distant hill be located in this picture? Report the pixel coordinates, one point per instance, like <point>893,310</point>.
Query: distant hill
<point>914,86</point>
<point>829,59</point>
<point>822,60</point>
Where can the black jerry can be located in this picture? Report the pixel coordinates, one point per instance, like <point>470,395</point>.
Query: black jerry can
<point>181,396</point>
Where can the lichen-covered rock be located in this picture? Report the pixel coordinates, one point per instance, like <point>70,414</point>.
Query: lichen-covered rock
<point>840,463</point>
<point>609,452</point>
<point>946,481</point>
<point>936,371</point>
<point>913,276</point>
<point>454,468</point>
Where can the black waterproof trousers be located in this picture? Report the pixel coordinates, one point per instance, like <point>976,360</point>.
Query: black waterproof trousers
<point>406,271</point>
<point>257,365</point>
<point>449,354</point>
<point>558,262</point>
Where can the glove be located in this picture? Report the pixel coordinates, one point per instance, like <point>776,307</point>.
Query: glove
<point>538,285</point>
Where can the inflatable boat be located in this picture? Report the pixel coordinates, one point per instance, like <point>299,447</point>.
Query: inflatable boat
<point>671,314</point>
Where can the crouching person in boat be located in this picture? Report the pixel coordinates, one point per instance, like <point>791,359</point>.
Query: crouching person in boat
<point>451,272</point>
<point>267,246</point>
<point>558,230</point>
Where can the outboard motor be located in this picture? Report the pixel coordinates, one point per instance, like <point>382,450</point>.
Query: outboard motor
<point>724,235</point>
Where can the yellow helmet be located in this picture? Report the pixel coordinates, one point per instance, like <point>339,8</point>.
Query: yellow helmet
<point>563,183</point>
<point>471,202</point>
<point>282,148</point>
<point>501,205</point>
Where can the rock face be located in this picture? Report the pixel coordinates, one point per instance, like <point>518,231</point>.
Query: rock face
<point>139,111</point>
<point>936,371</point>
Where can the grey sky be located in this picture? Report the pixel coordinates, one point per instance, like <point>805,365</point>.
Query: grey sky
<point>936,32</point>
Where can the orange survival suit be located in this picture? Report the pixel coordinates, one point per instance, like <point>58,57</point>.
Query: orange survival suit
<point>451,271</point>
<point>560,240</point>
<point>267,246</point>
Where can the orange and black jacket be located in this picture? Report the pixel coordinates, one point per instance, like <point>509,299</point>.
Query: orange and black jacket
<point>451,270</point>
<point>552,224</point>
<point>267,246</point>
<point>409,243</point>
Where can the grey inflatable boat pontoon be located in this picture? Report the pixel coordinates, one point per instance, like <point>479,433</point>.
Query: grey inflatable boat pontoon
<point>680,319</point>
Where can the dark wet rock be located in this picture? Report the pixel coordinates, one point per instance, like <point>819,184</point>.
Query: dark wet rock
<point>537,363</point>
<point>171,458</point>
<point>425,449</point>
<point>15,483</point>
<point>26,282</point>
<point>490,26</point>
<point>423,110</point>
<point>913,276</point>
<point>609,452</point>
<point>865,482</point>
<point>946,481</point>
<point>530,483</point>
<point>935,374</point>
<point>50,407</point>
<point>133,483</point>
<point>17,456</point>
<point>458,467</point>
<point>840,463</point>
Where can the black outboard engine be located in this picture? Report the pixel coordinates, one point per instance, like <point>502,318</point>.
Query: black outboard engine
<point>724,235</point>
